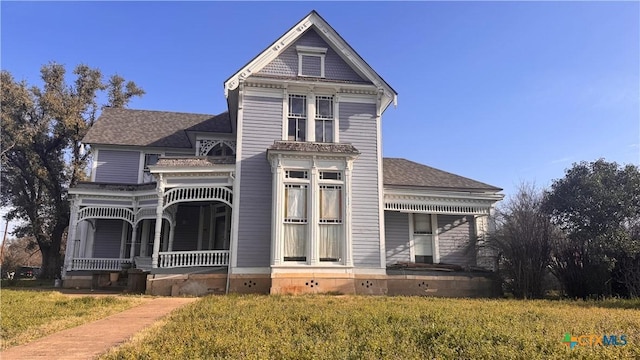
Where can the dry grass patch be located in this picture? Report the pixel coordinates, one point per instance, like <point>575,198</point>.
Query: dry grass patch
<point>28,315</point>
<point>353,327</point>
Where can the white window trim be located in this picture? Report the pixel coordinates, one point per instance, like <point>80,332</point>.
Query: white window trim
<point>311,51</point>
<point>279,167</point>
<point>311,114</point>
<point>141,164</point>
<point>435,246</point>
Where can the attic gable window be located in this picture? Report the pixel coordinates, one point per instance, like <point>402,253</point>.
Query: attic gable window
<point>311,61</point>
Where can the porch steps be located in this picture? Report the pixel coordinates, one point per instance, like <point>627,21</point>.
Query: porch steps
<point>143,263</point>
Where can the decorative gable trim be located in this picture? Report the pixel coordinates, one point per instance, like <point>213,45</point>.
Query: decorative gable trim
<point>333,38</point>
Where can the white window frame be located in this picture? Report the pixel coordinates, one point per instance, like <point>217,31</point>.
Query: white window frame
<point>339,182</point>
<point>434,238</point>
<point>323,119</point>
<point>297,118</point>
<point>311,51</point>
<point>144,170</point>
<point>298,181</point>
<point>311,113</point>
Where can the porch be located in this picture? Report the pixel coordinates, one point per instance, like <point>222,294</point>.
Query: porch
<point>168,259</point>
<point>182,221</point>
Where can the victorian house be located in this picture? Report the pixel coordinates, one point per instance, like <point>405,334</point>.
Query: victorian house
<point>287,191</point>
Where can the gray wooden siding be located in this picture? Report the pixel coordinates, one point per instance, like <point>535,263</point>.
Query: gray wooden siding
<point>396,229</point>
<point>186,234</point>
<point>118,166</point>
<point>106,243</point>
<point>261,125</point>
<point>286,64</point>
<point>358,127</point>
<point>454,232</point>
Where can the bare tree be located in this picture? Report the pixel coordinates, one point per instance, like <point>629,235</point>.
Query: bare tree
<point>524,238</point>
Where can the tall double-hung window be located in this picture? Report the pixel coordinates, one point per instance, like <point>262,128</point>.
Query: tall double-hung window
<point>330,227</point>
<point>297,117</point>
<point>324,119</point>
<point>296,191</point>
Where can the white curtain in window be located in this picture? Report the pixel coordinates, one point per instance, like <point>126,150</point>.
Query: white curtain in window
<point>294,240</point>
<point>330,241</point>
<point>296,203</point>
<point>330,200</point>
<point>423,245</point>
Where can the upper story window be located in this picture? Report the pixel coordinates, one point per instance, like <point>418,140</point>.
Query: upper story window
<point>311,61</point>
<point>149,159</point>
<point>310,117</point>
<point>324,118</point>
<point>297,118</point>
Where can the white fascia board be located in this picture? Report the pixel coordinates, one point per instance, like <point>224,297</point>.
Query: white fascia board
<point>112,193</point>
<point>331,36</point>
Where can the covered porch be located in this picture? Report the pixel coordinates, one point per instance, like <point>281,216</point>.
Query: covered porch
<point>181,221</point>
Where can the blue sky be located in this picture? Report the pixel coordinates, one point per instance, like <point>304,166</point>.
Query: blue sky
<point>501,92</point>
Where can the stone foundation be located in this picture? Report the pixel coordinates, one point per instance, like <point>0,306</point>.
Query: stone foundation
<point>443,285</point>
<point>78,281</point>
<point>250,284</point>
<point>402,284</point>
<point>186,284</point>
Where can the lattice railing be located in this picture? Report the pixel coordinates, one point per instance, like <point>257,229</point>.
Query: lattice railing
<point>94,212</point>
<point>176,195</point>
<point>107,264</point>
<point>173,259</point>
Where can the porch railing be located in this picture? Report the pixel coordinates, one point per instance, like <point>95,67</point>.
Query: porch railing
<point>173,259</point>
<point>107,264</point>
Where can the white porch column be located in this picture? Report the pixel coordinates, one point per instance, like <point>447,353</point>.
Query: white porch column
<point>172,231</point>
<point>348,249</point>
<point>144,240</point>
<point>71,235</point>
<point>158,231</point>
<point>134,234</point>
<point>123,239</point>
<point>165,241</point>
<point>276,213</point>
<point>313,220</point>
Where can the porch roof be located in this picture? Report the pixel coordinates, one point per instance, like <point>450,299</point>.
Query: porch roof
<point>113,187</point>
<point>314,147</point>
<point>194,161</point>
<point>409,174</point>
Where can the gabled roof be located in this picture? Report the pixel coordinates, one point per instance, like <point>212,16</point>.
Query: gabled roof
<point>152,128</point>
<point>405,173</point>
<point>348,54</point>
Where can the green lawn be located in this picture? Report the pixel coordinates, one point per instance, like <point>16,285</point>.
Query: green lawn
<point>27,315</point>
<point>353,327</point>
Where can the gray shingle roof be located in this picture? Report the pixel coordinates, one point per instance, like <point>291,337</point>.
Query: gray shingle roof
<point>342,148</point>
<point>402,172</point>
<point>152,128</point>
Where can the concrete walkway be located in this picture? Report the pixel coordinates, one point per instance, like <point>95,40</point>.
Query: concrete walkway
<point>92,339</point>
